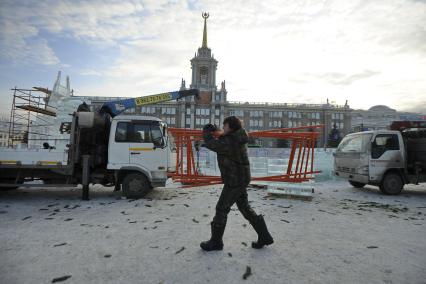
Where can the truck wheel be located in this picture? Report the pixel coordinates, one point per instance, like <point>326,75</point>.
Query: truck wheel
<point>391,184</point>
<point>357,184</point>
<point>135,185</point>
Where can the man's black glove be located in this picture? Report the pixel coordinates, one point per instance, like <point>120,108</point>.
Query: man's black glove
<point>209,128</point>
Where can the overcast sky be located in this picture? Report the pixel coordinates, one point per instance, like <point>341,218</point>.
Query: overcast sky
<point>367,52</point>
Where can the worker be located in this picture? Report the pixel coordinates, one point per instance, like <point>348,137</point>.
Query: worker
<point>231,149</point>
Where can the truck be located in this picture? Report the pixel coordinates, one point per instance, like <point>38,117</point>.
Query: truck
<point>130,152</point>
<point>388,159</point>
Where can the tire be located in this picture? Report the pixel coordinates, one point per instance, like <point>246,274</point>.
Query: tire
<point>135,185</point>
<point>357,184</point>
<point>391,184</point>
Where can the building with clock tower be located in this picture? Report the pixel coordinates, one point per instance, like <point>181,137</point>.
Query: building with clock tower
<point>210,107</point>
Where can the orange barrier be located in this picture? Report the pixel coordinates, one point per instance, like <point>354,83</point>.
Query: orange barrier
<point>301,150</point>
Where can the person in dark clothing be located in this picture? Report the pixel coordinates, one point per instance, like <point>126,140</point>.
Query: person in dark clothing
<point>232,158</point>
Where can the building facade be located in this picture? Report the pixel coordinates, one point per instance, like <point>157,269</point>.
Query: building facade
<point>380,117</point>
<point>213,105</point>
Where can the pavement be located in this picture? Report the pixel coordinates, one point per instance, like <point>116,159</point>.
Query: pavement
<point>344,235</point>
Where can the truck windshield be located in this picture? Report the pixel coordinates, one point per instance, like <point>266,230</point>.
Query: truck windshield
<point>355,143</point>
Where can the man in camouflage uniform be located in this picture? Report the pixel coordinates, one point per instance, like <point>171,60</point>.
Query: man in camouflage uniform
<point>231,149</point>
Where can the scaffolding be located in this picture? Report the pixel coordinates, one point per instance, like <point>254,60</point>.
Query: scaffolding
<point>28,115</point>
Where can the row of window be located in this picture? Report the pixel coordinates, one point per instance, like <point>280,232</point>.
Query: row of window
<point>256,123</point>
<point>339,125</point>
<point>256,113</point>
<point>202,121</point>
<point>275,123</point>
<point>276,114</point>
<point>337,116</point>
<point>148,109</point>
<point>240,113</point>
<point>170,120</point>
<point>202,111</point>
<point>278,123</point>
<point>168,110</point>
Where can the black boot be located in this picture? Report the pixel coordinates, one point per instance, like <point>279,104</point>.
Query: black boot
<point>215,242</point>
<point>264,238</point>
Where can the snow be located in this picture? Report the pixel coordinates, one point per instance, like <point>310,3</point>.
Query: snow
<point>338,237</point>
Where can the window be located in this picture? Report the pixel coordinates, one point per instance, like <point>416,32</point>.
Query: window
<point>197,121</point>
<point>275,114</point>
<point>338,116</point>
<point>170,120</point>
<point>121,132</point>
<point>383,143</point>
<point>188,111</point>
<point>202,111</point>
<point>216,121</point>
<point>354,143</point>
<point>217,112</point>
<point>294,114</point>
<point>256,113</point>
<point>188,121</point>
<point>239,113</point>
<point>168,110</point>
<point>139,132</point>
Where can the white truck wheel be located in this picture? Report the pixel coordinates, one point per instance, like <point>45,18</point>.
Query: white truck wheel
<point>391,184</point>
<point>135,185</point>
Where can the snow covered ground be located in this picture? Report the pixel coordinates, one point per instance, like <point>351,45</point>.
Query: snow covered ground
<point>344,235</point>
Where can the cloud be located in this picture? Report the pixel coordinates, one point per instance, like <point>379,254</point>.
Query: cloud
<point>344,79</point>
<point>90,72</point>
<point>19,44</point>
<point>370,52</point>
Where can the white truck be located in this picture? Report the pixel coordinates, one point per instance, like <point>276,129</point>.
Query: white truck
<point>385,158</point>
<point>130,152</point>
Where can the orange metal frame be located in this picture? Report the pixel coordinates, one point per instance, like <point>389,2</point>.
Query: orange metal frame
<point>301,150</point>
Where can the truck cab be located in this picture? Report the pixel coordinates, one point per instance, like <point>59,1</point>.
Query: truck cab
<point>373,157</point>
<point>139,146</point>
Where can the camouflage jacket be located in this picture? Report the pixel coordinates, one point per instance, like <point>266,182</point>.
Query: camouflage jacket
<point>232,156</point>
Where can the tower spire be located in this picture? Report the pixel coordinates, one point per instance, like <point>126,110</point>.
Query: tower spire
<point>205,16</point>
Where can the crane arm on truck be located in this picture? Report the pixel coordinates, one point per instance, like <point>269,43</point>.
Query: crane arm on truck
<point>116,107</point>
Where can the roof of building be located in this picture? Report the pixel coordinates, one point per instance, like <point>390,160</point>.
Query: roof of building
<point>381,108</point>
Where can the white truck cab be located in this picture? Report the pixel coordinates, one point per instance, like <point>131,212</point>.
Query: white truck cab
<point>376,158</point>
<point>140,144</point>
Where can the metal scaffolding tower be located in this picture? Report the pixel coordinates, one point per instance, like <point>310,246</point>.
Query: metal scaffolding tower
<point>27,115</point>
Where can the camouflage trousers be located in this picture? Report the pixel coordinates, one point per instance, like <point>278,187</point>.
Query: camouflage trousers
<point>228,197</point>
